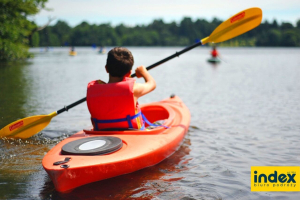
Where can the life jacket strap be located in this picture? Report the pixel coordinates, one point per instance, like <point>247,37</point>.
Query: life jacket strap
<point>145,120</point>
<point>128,119</point>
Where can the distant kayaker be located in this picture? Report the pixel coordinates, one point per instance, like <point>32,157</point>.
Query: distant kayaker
<point>102,49</point>
<point>214,52</point>
<point>114,104</point>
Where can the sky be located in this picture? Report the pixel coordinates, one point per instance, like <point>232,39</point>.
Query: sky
<point>141,12</point>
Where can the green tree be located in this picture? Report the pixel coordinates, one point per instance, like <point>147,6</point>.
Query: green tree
<point>286,25</point>
<point>274,24</point>
<point>35,40</point>
<point>15,27</point>
<point>187,29</point>
<point>63,31</point>
<point>290,38</point>
<point>274,36</point>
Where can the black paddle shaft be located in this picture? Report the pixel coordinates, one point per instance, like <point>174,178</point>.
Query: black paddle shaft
<point>177,54</point>
<point>66,108</point>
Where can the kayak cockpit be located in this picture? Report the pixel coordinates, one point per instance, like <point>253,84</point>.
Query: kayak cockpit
<point>153,113</point>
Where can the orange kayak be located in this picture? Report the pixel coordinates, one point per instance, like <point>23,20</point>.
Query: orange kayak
<point>90,156</point>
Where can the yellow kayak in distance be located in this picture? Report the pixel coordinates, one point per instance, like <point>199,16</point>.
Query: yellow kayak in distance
<point>72,53</point>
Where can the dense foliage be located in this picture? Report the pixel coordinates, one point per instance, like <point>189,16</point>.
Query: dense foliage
<point>15,28</point>
<point>17,31</point>
<point>159,33</point>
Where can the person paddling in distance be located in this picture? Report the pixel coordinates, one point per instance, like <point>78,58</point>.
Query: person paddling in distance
<point>114,105</point>
<point>214,52</point>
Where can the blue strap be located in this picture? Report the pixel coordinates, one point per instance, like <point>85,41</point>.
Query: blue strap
<point>128,119</point>
<point>117,120</point>
<point>151,124</point>
<point>143,126</point>
<point>95,124</point>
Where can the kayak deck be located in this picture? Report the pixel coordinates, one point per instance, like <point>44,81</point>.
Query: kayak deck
<point>140,148</point>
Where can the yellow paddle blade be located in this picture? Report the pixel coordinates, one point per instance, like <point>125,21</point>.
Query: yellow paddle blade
<point>236,25</point>
<point>27,127</point>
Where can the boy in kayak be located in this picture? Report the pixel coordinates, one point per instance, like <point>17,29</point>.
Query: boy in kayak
<point>114,104</point>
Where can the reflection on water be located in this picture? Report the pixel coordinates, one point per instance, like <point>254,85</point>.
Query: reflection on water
<point>14,90</point>
<point>245,112</point>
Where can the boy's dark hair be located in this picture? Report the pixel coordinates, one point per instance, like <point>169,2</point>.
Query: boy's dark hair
<point>119,61</point>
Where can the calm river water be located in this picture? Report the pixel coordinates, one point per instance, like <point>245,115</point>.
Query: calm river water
<point>245,112</point>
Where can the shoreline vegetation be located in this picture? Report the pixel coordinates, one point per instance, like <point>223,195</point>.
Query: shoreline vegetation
<point>159,33</point>
<point>19,33</point>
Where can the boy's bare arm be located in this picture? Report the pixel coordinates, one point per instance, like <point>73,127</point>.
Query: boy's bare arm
<point>141,89</point>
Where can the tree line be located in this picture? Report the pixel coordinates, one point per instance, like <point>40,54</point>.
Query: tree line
<point>18,32</point>
<point>159,33</point>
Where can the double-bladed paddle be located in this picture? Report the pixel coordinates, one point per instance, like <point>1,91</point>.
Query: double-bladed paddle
<point>232,27</point>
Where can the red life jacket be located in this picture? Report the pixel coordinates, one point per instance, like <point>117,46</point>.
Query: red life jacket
<point>112,105</point>
<point>214,53</point>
